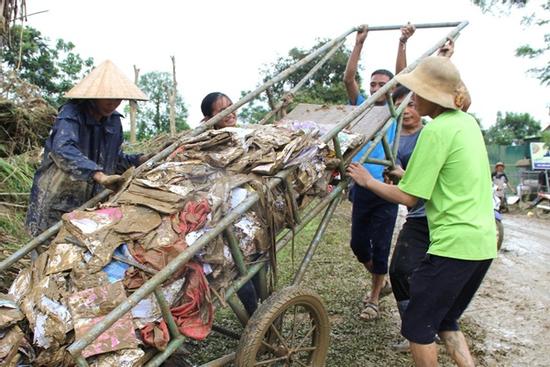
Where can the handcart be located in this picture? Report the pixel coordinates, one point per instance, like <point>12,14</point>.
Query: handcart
<point>290,327</point>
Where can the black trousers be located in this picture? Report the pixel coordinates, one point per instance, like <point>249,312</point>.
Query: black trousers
<point>441,290</point>
<point>410,249</point>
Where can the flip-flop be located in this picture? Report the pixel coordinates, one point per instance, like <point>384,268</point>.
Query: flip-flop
<point>370,312</point>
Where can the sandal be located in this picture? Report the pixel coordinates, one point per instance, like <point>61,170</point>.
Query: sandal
<point>386,290</point>
<point>370,312</point>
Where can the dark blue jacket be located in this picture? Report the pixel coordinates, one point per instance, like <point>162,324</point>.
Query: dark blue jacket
<point>78,146</point>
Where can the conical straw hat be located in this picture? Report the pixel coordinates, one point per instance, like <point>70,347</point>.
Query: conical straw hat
<point>106,82</point>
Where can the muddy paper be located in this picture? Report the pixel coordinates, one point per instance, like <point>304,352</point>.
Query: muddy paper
<point>219,158</point>
<point>121,358</point>
<point>62,257</point>
<point>98,301</point>
<point>183,188</point>
<point>21,286</point>
<point>162,236</point>
<point>9,344</point>
<point>172,173</point>
<point>90,306</point>
<point>249,233</point>
<point>137,218</point>
<point>148,310</point>
<point>53,322</point>
<point>88,222</point>
<point>162,201</point>
<point>102,245</point>
<point>82,278</point>
<point>9,311</point>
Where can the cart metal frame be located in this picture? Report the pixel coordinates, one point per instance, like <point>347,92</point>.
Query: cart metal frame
<point>327,204</point>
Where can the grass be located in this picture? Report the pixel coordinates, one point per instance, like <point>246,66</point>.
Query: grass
<point>342,282</point>
<point>16,174</point>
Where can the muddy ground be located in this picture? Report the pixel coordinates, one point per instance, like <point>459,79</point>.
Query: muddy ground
<point>507,324</point>
<point>512,307</point>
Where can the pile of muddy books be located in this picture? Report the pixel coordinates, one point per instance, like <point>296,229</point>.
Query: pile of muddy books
<point>102,255</point>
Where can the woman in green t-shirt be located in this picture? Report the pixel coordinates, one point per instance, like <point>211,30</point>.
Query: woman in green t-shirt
<point>449,169</point>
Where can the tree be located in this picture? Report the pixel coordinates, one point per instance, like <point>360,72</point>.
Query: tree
<point>546,138</point>
<point>512,128</point>
<point>10,10</point>
<point>486,5</point>
<point>54,70</point>
<point>325,86</point>
<point>172,92</point>
<point>539,19</point>
<point>254,111</point>
<point>133,111</point>
<point>154,115</point>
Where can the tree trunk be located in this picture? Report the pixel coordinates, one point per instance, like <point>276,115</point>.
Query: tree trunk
<point>270,99</point>
<point>272,105</point>
<point>133,111</point>
<point>172,96</point>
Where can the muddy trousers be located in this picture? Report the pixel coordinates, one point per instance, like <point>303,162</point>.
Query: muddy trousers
<point>372,223</point>
<point>410,249</point>
<point>249,297</point>
<point>249,294</point>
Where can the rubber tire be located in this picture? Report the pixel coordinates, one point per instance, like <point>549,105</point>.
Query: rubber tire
<point>543,213</point>
<point>269,312</point>
<point>500,233</point>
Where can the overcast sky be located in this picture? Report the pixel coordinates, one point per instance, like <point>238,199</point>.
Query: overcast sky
<point>221,45</point>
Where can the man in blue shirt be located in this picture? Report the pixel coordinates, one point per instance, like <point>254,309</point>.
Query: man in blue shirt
<point>373,218</point>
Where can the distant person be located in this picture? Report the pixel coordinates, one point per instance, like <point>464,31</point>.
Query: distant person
<point>373,218</point>
<point>449,170</point>
<point>543,180</point>
<point>214,103</point>
<point>83,155</point>
<point>501,182</point>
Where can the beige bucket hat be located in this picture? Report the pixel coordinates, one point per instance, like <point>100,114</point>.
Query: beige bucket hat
<point>106,81</point>
<point>437,80</point>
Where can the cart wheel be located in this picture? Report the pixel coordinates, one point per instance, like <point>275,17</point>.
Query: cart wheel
<point>291,328</point>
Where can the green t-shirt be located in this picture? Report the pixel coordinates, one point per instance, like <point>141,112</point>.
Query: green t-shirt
<point>449,168</point>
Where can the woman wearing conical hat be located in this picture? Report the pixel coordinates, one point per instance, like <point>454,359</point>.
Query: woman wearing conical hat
<point>83,154</point>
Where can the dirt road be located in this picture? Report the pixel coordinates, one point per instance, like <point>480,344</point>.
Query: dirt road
<point>511,312</point>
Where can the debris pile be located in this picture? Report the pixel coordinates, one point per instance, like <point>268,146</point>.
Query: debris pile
<point>25,117</point>
<point>101,256</point>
